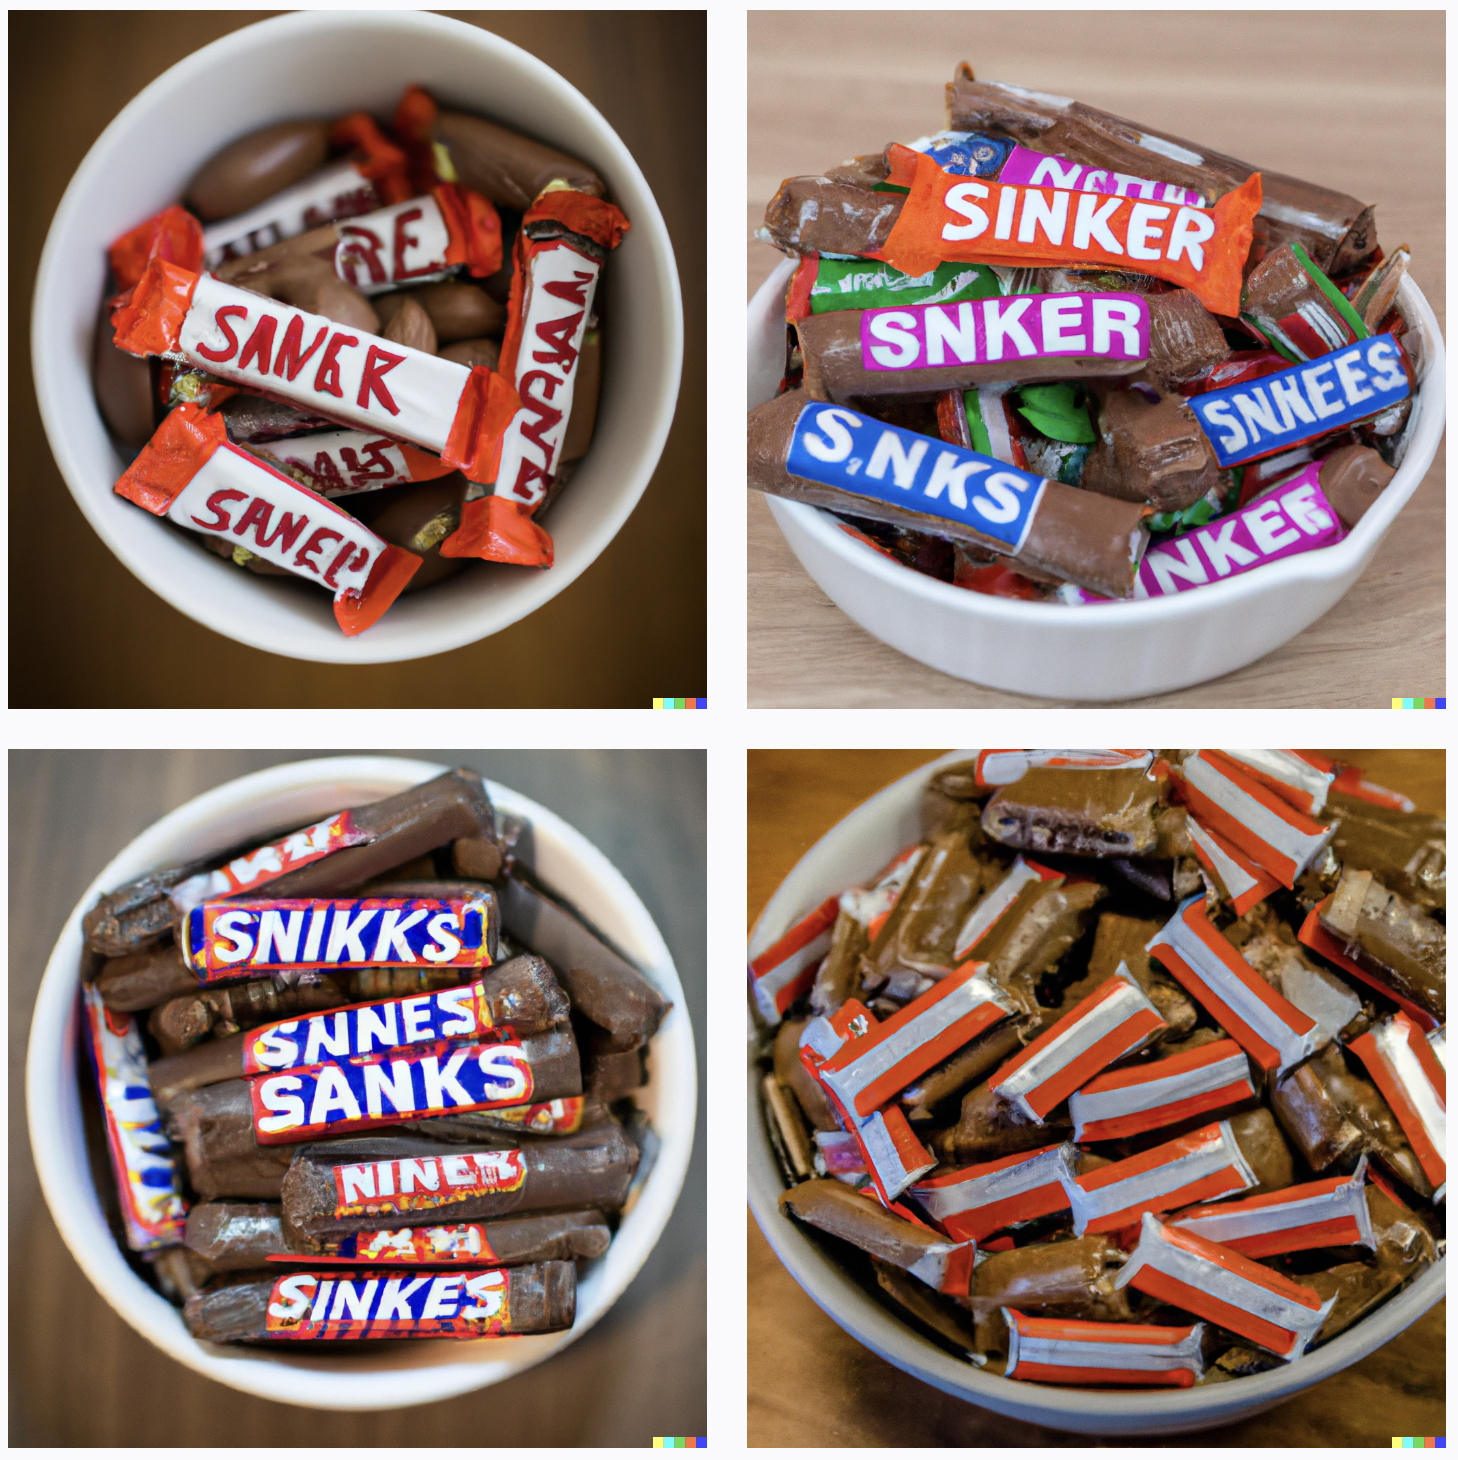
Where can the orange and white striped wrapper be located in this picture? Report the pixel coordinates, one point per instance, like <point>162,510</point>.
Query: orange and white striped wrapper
<point>1076,1351</point>
<point>1331,1213</point>
<point>1003,767</point>
<point>1291,774</point>
<point>1334,950</point>
<point>1225,1287</point>
<point>1162,1092</point>
<point>1111,1022</point>
<point>1267,1026</point>
<point>990,909</point>
<point>782,973</point>
<point>1238,880</point>
<point>1405,1067</point>
<point>976,1201</point>
<point>1228,799</point>
<point>1205,1163</point>
<point>868,1072</point>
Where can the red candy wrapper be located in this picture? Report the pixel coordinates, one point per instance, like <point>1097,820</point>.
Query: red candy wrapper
<point>413,242</point>
<point>1238,880</point>
<point>871,906</point>
<point>782,973</point>
<point>328,369</point>
<point>390,1305</point>
<point>173,234</point>
<point>190,473</point>
<point>1221,1285</point>
<point>424,1183</point>
<point>976,1201</point>
<point>499,531</point>
<point>548,1117</point>
<point>1125,1102</point>
<point>1290,774</point>
<point>1331,948</point>
<point>1406,1069</point>
<point>1114,1020</point>
<point>984,916</point>
<point>405,1247</point>
<point>1073,1351</point>
<point>346,462</point>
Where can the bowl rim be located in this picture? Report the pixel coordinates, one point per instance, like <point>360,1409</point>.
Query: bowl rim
<point>465,626</point>
<point>338,1381</point>
<point>879,1329</point>
<point>1349,556</point>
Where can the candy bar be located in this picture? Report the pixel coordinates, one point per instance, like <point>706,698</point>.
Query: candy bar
<point>1033,936</point>
<point>560,1117</point>
<point>1122,1103</point>
<point>1111,1022</point>
<point>1271,1029</point>
<point>989,1127</point>
<point>869,1071</point>
<point>1406,850</point>
<point>1352,478</point>
<point>153,1209</point>
<point>997,902</point>
<point>182,1022</point>
<point>1074,1278</point>
<point>1066,1351</point>
<point>1003,767</point>
<point>935,904</point>
<point>1407,1070</point>
<point>1263,825</point>
<point>360,379</point>
<point>1218,1284</point>
<point>1336,230</point>
<point>820,215</point>
<point>302,1305</point>
<point>1151,452</point>
<point>1238,881</point>
<point>917,350</point>
<point>835,1208</point>
<point>344,463</point>
<point>970,1064</point>
<point>826,285</point>
<point>975,1202</point>
<point>815,453</point>
<point>1086,813</point>
<point>1313,989</point>
<point>602,986</point>
<point>336,1187</point>
<point>782,973</point>
<point>137,980</point>
<point>1296,309</point>
<point>214,1127</point>
<point>1329,1213</point>
<point>940,1315</point>
<point>839,973</point>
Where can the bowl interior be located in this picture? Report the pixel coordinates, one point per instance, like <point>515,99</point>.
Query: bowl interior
<point>851,851</point>
<point>327,63</point>
<point>410,1372</point>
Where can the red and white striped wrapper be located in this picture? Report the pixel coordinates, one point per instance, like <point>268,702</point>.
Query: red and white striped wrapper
<point>1405,1067</point>
<point>1331,948</point>
<point>1267,1026</point>
<point>1239,880</point>
<point>1111,1022</point>
<point>868,1072</point>
<point>871,906</point>
<point>1331,1213</point>
<point>889,1149</point>
<point>1125,1102</point>
<point>977,1201</point>
<point>782,973</point>
<point>1290,774</point>
<point>1003,767</point>
<point>1350,782</point>
<point>1196,1167</point>
<point>983,917</point>
<point>1225,1287</point>
<point>1076,1351</point>
<point>1231,802</point>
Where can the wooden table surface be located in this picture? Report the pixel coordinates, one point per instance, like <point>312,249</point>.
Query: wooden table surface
<point>85,632</point>
<point>810,1383</point>
<point>79,1376</point>
<point>1347,98</point>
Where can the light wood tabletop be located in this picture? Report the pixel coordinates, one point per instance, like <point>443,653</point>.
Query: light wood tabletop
<point>811,1383</point>
<point>80,1376</point>
<point>1353,100</point>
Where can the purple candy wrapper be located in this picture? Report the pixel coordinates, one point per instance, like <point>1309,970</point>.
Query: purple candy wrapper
<point>1038,169</point>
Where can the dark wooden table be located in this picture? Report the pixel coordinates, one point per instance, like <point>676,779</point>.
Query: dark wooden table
<point>811,1383</point>
<point>79,1376</point>
<point>87,633</point>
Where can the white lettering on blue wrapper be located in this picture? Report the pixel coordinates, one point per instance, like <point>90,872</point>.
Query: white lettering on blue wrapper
<point>830,444</point>
<point>1298,404</point>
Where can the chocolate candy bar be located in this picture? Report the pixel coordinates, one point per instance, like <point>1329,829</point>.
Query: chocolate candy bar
<point>302,1305</point>
<point>1219,1284</point>
<point>936,903</point>
<point>939,1314</point>
<point>216,1012</point>
<point>1296,309</point>
<point>142,980</point>
<point>1235,877</point>
<point>1086,813</point>
<point>820,215</point>
<point>1066,1351</point>
<point>805,452</point>
<point>925,1254</point>
<point>214,1126</point>
<point>1073,1278</point>
<point>1319,994</point>
<point>976,1201</point>
<point>1407,1069</point>
<point>970,1064</point>
<point>882,909</point>
<point>793,1146</point>
<point>602,986</point>
<point>1335,229</point>
<point>344,463</point>
<point>1153,453</point>
<point>152,1205</point>
<point>916,351</point>
<point>792,1075</point>
<point>1404,848</point>
<point>827,285</point>
<point>332,1189</point>
<point>990,1127</point>
<point>1352,478</point>
<point>839,973</point>
<point>782,973</point>
<point>1003,767</point>
<point>564,1116</point>
<point>235,1235</point>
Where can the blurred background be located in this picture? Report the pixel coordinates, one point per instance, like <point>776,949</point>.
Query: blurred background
<point>84,632</point>
<point>811,1383</point>
<point>70,813</point>
<point>1341,98</point>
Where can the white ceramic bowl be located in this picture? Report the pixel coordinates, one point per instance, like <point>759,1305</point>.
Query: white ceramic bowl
<point>419,1371</point>
<point>323,63</point>
<point>848,853</point>
<point>1108,651</point>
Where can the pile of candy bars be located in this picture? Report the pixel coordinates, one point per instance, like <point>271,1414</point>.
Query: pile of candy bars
<point>1132,1070</point>
<point>1053,354</point>
<point>376,1115</point>
<point>362,370</point>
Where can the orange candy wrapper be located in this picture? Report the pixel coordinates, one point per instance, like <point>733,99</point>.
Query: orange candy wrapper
<point>500,532</point>
<point>949,218</point>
